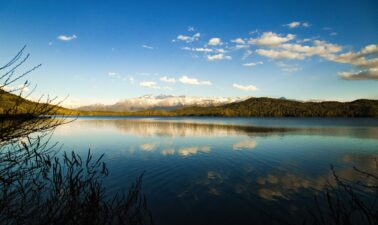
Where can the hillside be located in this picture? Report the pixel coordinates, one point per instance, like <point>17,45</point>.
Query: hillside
<point>11,105</point>
<point>269,107</point>
<point>27,108</point>
<point>252,107</point>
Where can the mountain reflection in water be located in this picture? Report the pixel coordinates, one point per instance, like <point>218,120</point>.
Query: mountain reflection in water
<point>226,171</point>
<point>155,127</point>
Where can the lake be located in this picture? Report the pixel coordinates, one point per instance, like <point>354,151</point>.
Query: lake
<point>225,170</point>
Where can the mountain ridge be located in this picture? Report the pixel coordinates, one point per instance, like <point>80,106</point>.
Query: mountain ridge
<point>251,107</point>
<point>159,102</point>
<point>271,107</point>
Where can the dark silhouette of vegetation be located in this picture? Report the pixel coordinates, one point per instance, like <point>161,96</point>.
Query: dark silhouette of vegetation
<point>41,185</point>
<point>349,201</point>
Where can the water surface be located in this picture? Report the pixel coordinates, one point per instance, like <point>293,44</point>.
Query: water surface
<point>225,170</point>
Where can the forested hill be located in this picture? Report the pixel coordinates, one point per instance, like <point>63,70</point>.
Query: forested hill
<point>11,105</point>
<point>259,107</point>
<point>270,107</point>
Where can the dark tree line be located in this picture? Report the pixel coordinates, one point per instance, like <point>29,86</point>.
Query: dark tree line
<point>270,107</point>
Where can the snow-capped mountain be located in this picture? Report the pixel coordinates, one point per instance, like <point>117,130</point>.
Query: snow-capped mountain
<point>160,102</point>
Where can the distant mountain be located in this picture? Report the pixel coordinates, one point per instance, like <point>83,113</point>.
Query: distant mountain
<point>160,102</point>
<point>251,107</point>
<point>271,107</point>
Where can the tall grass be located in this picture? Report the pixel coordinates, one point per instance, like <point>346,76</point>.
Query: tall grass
<point>40,186</point>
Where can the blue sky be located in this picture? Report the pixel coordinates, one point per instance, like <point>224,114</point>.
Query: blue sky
<point>104,51</point>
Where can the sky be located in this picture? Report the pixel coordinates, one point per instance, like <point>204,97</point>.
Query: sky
<point>105,51</point>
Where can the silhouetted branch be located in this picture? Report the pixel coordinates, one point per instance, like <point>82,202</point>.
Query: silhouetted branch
<point>349,202</point>
<point>39,187</point>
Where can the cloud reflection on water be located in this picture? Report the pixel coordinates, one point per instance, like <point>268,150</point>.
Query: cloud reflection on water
<point>268,185</point>
<point>148,147</point>
<point>168,151</point>
<point>280,185</point>
<point>274,185</point>
<point>149,128</point>
<point>247,144</point>
<point>155,127</point>
<point>186,151</point>
<point>193,150</point>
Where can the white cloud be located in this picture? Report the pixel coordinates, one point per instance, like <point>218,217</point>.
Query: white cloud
<point>365,60</point>
<point>329,47</point>
<point>245,88</point>
<point>298,51</point>
<point>241,46</point>
<point>203,50</point>
<point>191,29</point>
<point>148,47</point>
<point>296,24</point>
<point>130,79</point>
<point>252,64</point>
<point>215,41</point>
<point>153,85</point>
<point>144,74</point>
<point>238,41</point>
<point>279,54</point>
<point>149,84</point>
<point>320,48</point>
<point>219,56</point>
<point>288,68</point>
<point>189,39</point>
<point>369,74</point>
<point>112,73</point>
<point>167,79</point>
<point>193,81</point>
<point>359,58</point>
<point>247,53</point>
<point>271,39</point>
<point>66,37</point>
<point>253,32</point>
<point>197,49</point>
<point>287,46</point>
<point>293,24</point>
<point>305,40</point>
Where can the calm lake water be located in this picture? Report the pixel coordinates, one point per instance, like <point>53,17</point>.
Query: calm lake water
<point>225,170</point>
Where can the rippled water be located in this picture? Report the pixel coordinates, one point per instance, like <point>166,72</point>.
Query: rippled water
<point>225,170</point>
